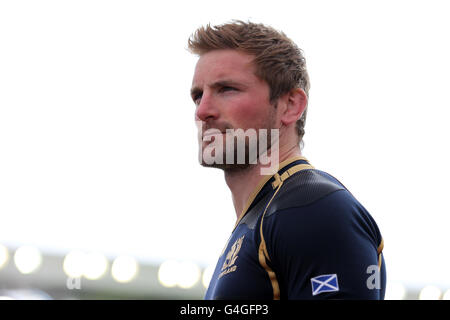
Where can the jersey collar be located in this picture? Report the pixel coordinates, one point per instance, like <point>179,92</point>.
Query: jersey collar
<point>264,184</point>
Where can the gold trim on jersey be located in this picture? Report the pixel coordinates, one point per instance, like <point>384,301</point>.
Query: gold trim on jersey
<point>379,250</point>
<point>279,179</point>
<point>263,254</point>
<point>261,184</point>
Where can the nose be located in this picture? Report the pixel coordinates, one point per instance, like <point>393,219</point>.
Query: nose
<point>206,109</point>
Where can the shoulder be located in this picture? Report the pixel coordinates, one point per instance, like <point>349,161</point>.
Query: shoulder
<point>314,206</point>
<point>303,188</point>
<point>317,227</point>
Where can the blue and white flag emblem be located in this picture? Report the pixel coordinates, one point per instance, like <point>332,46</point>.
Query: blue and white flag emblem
<point>324,283</point>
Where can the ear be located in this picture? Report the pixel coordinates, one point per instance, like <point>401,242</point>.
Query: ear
<point>295,104</point>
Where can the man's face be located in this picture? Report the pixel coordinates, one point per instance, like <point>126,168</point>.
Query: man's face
<point>228,95</point>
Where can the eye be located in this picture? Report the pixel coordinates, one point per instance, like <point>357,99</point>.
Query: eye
<point>226,88</point>
<point>197,97</point>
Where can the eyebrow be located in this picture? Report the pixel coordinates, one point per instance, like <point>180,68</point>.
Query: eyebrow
<point>221,83</point>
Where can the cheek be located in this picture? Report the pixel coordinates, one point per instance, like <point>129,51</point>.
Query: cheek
<point>251,114</point>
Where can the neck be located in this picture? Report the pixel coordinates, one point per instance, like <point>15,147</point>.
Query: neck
<point>243,182</point>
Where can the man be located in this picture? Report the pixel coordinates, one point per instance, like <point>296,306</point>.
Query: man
<point>300,234</point>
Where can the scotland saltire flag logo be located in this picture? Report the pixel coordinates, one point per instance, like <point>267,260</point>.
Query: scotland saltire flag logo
<point>324,283</point>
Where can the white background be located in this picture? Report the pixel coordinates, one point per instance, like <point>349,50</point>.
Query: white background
<point>98,144</point>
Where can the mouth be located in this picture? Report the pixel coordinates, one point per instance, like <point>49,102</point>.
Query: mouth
<point>212,132</point>
<point>209,136</point>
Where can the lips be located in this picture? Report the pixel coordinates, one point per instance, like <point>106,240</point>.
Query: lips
<point>209,135</point>
<point>212,132</point>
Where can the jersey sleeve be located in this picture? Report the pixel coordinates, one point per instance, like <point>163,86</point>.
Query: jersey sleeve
<point>329,249</point>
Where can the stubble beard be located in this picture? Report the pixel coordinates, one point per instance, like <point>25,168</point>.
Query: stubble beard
<point>251,154</point>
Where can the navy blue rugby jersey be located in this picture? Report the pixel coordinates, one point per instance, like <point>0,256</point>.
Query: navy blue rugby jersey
<point>302,235</point>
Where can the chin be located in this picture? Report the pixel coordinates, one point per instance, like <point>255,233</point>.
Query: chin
<point>226,167</point>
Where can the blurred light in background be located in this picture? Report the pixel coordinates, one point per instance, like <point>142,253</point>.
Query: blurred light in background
<point>207,275</point>
<point>73,264</point>
<point>124,269</point>
<point>430,293</point>
<point>27,259</point>
<point>4,256</point>
<point>189,274</point>
<point>96,266</point>
<point>395,291</point>
<point>92,266</point>
<point>186,277</point>
<point>168,273</point>
<point>183,274</point>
